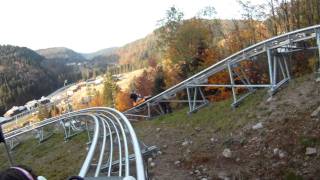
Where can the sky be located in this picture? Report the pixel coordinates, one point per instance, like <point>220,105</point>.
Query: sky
<point>90,25</point>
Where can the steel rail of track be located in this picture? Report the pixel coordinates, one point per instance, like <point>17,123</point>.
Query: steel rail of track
<point>251,51</point>
<point>106,120</point>
<point>86,164</point>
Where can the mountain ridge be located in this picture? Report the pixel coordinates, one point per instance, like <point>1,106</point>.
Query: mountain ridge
<point>61,53</point>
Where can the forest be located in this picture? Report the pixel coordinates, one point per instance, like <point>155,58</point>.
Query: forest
<point>25,75</point>
<point>21,76</point>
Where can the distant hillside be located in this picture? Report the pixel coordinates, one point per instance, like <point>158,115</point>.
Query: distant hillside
<point>26,75</point>
<point>139,50</point>
<point>146,48</point>
<point>103,52</point>
<point>22,77</point>
<point>61,53</point>
<point>101,63</point>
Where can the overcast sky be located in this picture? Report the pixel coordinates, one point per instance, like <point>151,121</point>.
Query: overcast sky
<point>90,25</point>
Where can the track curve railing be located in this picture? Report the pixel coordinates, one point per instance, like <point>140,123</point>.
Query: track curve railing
<point>112,133</point>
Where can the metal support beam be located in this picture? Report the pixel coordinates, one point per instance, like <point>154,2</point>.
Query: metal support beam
<point>70,129</point>
<point>269,54</point>
<point>13,143</point>
<point>245,80</point>
<point>42,136</point>
<point>318,43</point>
<point>285,73</point>
<point>195,97</point>
<point>197,100</point>
<point>275,63</point>
<point>282,69</point>
<point>287,67</point>
<point>149,110</point>
<point>232,83</point>
<point>235,104</point>
<point>245,77</point>
<point>160,108</point>
<point>189,99</point>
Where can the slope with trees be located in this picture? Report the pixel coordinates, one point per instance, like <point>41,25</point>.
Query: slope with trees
<point>22,77</point>
<point>182,47</point>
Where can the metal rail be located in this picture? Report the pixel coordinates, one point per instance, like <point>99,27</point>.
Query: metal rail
<point>106,122</point>
<point>271,47</point>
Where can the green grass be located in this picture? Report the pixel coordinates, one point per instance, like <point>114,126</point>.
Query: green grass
<point>292,176</point>
<point>216,116</point>
<point>309,141</point>
<point>54,158</point>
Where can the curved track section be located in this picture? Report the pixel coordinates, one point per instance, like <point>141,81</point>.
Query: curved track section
<point>276,50</point>
<point>111,138</point>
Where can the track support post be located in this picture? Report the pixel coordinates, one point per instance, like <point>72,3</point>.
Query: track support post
<point>42,136</point>
<point>232,83</point>
<point>13,143</point>
<point>318,63</point>
<point>149,110</point>
<point>196,98</point>
<point>70,129</point>
<point>269,54</point>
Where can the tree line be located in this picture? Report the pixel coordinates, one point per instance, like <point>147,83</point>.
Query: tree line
<point>182,47</point>
<point>188,46</point>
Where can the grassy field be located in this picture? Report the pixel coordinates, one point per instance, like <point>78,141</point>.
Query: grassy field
<point>217,116</point>
<point>54,158</point>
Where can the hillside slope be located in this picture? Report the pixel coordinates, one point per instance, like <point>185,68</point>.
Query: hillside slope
<point>192,146</point>
<point>146,48</point>
<point>26,75</point>
<point>22,77</point>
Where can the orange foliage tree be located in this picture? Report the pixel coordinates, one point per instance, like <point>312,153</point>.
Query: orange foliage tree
<point>171,73</point>
<point>96,101</point>
<point>219,93</point>
<point>123,101</point>
<point>144,83</point>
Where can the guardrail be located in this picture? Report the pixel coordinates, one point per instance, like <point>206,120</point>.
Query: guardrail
<point>110,127</point>
<point>282,44</point>
<point>60,90</point>
<point>28,112</point>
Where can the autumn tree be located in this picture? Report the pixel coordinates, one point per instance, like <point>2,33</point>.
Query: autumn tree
<point>159,82</point>
<point>169,26</point>
<point>97,100</point>
<point>54,111</point>
<point>123,101</point>
<point>43,113</point>
<point>172,74</point>
<point>152,63</point>
<point>144,83</point>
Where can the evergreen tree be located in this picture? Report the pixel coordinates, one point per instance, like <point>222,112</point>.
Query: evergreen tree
<point>109,90</point>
